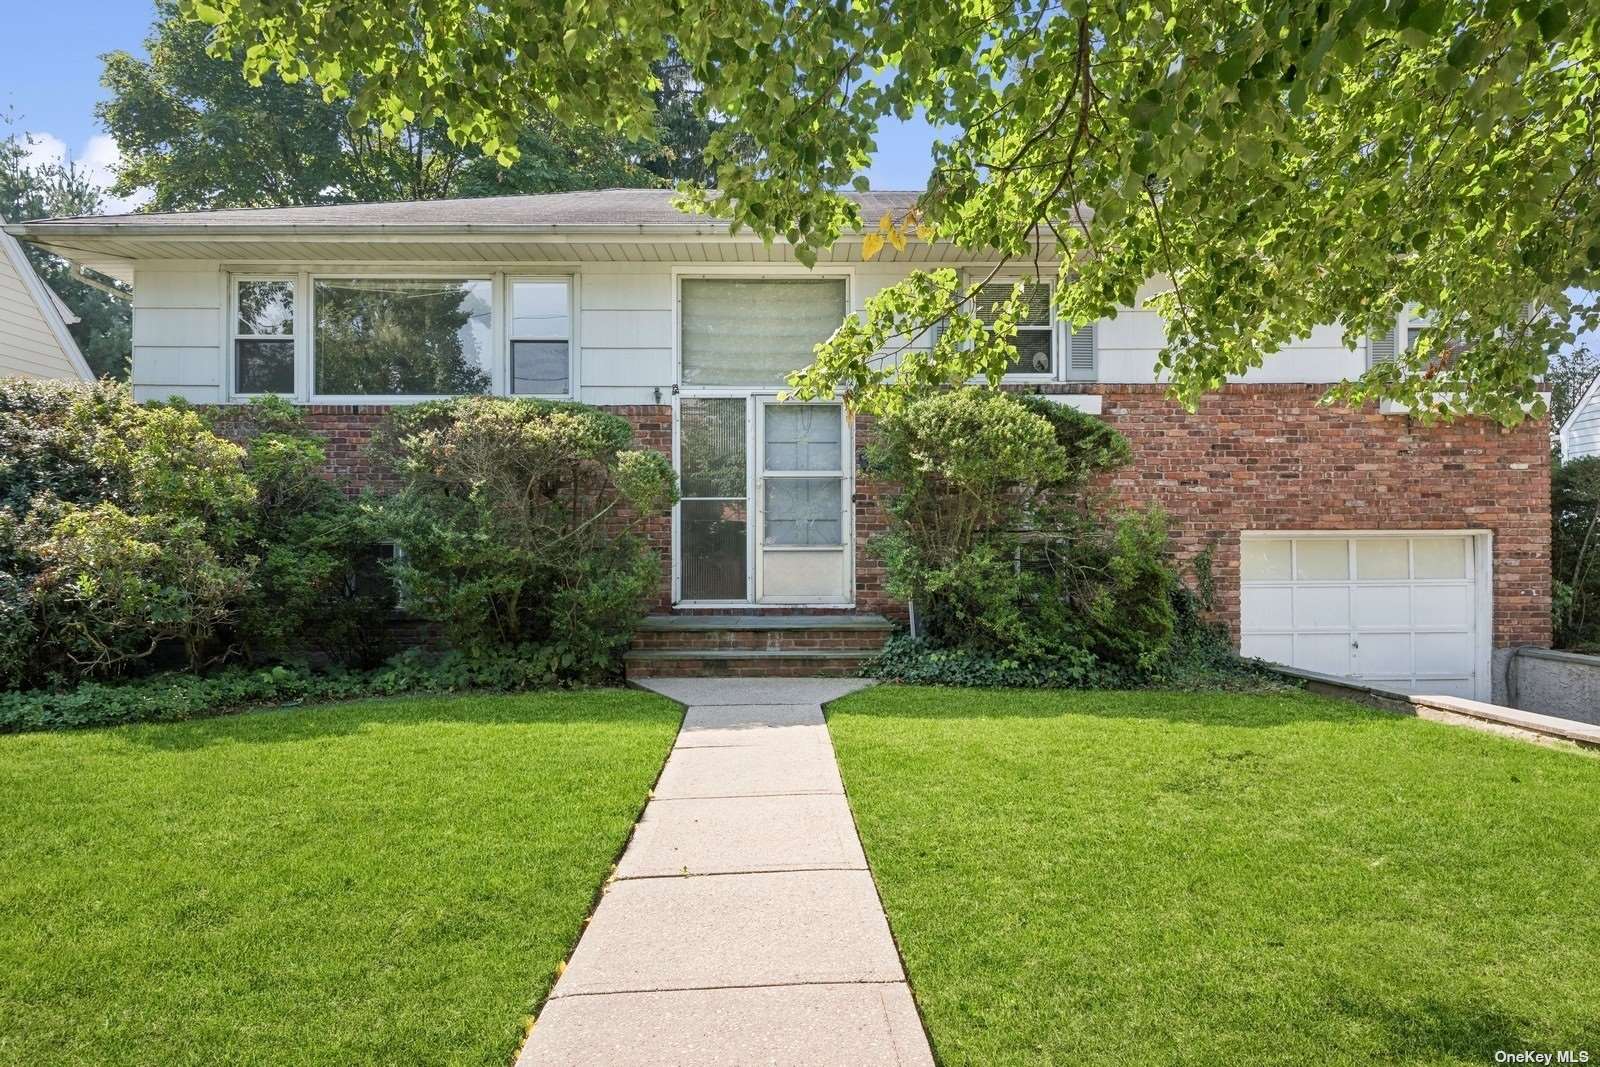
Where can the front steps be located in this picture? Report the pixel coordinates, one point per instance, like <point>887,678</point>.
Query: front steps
<point>755,646</point>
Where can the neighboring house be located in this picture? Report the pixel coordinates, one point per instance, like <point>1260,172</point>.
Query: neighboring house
<point>1353,543</point>
<point>1580,434</point>
<point>34,339</point>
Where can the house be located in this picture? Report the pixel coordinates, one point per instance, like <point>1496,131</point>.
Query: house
<point>1580,434</point>
<point>1354,543</point>
<point>34,339</point>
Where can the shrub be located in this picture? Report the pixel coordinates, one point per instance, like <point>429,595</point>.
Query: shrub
<point>517,520</point>
<point>1005,544</point>
<point>175,696</point>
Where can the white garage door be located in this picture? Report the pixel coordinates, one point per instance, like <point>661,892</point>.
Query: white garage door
<point>1398,611</point>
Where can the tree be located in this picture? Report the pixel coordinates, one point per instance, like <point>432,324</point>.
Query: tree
<point>104,330</point>
<point>1570,374</point>
<point>198,136</point>
<point>1277,164</point>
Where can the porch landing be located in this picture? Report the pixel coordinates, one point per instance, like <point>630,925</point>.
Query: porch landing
<point>754,646</point>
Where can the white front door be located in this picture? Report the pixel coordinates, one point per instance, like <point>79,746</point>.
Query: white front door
<point>1402,611</point>
<point>765,515</point>
<point>802,497</point>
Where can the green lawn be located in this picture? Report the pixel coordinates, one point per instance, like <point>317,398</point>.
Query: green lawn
<point>1204,879</point>
<point>380,882</point>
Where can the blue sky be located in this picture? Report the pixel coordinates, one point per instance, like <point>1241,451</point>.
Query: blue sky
<point>50,81</point>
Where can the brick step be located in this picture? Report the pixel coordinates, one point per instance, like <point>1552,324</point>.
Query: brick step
<point>762,633</point>
<point>746,663</point>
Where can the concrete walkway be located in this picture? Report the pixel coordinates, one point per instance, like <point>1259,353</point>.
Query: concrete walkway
<point>743,926</point>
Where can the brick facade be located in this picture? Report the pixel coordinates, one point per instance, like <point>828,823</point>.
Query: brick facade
<point>1254,457</point>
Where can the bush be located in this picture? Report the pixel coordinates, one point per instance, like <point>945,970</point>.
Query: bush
<point>175,697</point>
<point>1003,541</point>
<point>518,519</point>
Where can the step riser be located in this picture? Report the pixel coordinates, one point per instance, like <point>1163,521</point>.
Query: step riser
<point>693,667</point>
<point>761,640</point>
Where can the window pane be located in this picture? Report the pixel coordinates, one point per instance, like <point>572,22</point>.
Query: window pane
<point>266,308</point>
<point>388,337</point>
<point>1264,561</point>
<point>713,550</point>
<point>754,331</point>
<point>539,367</point>
<point>1382,558</point>
<point>804,438</point>
<point>1438,558</point>
<point>1322,561</point>
<point>1034,350</point>
<point>263,366</point>
<point>1035,297</point>
<point>539,310</point>
<point>803,511</point>
<point>711,447</point>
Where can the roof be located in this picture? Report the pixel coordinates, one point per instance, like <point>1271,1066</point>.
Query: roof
<point>32,320</point>
<point>603,209</point>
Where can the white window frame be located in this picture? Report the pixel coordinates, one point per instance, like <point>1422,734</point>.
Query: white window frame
<point>499,358</point>
<point>503,307</point>
<point>763,272</point>
<point>296,336</point>
<point>1057,370</point>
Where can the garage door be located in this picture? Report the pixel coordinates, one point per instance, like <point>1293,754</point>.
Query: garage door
<point>1398,611</point>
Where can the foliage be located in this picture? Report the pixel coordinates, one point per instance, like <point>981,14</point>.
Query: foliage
<point>179,695</point>
<point>28,190</point>
<point>1575,552</point>
<point>998,537</point>
<point>914,661</point>
<point>198,136</point>
<point>1272,166</point>
<point>132,535</point>
<point>517,520</point>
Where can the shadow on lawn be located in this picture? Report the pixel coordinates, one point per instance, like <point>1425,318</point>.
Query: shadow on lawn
<point>1239,710</point>
<point>1428,1029</point>
<point>287,725</point>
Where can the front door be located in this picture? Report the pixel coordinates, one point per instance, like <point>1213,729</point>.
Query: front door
<point>766,512</point>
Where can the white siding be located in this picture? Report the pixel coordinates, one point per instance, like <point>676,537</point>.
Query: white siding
<point>1582,435</point>
<point>177,332</point>
<point>29,344</point>
<point>623,330</point>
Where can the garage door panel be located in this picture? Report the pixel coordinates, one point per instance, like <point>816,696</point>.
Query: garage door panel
<point>1274,648</point>
<point>1386,654</point>
<point>1323,653</point>
<point>1439,557</point>
<point>1442,605</point>
<point>1443,653</point>
<point>1267,608</point>
<point>1321,607</point>
<point>1386,606</point>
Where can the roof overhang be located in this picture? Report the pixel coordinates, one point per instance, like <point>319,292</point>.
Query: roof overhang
<point>113,247</point>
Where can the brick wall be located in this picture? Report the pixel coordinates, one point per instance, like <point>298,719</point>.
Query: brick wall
<point>1257,457</point>
<point>1271,457</point>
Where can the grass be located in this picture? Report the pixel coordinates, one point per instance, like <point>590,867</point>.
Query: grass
<point>378,882</point>
<point>1200,879</point>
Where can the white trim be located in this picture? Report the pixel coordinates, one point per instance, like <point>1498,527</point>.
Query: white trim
<point>44,298</point>
<point>505,368</point>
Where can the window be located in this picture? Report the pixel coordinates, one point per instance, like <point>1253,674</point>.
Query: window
<point>739,332</point>
<point>401,337</point>
<point>263,336</point>
<point>1035,340</point>
<point>541,338</point>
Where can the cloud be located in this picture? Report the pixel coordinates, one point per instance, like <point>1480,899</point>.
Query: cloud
<point>97,160</point>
